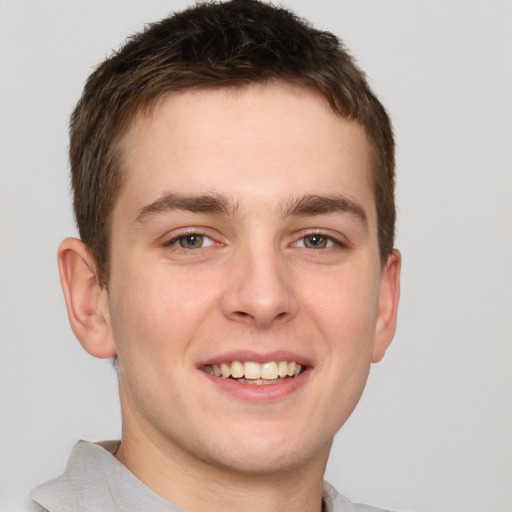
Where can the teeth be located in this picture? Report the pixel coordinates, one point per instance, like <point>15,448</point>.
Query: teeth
<point>270,371</point>
<point>209,369</point>
<point>252,370</point>
<point>237,369</point>
<point>216,370</point>
<point>225,370</point>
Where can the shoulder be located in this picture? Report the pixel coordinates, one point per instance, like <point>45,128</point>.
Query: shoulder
<point>335,502</point>
<point>34,507</point>
<point>95,480</point>
<point>84,478</point>
<point>22,504</point>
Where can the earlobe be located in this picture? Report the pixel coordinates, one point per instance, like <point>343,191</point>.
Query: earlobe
<point>86,299</point>
<point>388,305</point>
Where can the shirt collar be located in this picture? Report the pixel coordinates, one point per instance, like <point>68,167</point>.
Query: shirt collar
<point>95,480</point>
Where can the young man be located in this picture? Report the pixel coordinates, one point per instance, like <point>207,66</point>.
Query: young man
<point>233,181</point>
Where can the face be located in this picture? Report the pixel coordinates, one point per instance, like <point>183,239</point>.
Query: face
<point>244,242</point>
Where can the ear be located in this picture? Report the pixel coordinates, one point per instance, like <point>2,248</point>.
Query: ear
<point>388,305</point>
<point>86,298</point>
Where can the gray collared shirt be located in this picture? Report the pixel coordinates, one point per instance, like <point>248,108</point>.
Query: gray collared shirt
<point>95,481</point>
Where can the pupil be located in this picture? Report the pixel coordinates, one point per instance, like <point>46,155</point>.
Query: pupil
<point>314,241</point>
<point>191,241</point>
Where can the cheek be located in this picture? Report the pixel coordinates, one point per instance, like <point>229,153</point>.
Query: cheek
<point>161,309</point>
<point>344,307</point>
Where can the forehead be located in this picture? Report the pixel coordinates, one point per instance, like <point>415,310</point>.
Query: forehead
<point>262,142</point>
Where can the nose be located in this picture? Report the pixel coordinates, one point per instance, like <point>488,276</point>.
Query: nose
<point>259,291</point>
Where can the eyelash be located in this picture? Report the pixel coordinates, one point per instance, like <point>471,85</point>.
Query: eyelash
<point>330,239</point>
<point>174,240</point>
<point>334,241</point>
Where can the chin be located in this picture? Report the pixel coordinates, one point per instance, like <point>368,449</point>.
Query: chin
<point>266,455</point>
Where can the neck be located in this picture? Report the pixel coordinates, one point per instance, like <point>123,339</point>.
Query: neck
<point>190,482</point>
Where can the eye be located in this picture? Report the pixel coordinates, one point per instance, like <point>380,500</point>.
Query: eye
<point>315,241</point>
<point>191,241</point>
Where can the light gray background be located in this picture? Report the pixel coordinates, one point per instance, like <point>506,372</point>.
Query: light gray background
<point>433,431</point>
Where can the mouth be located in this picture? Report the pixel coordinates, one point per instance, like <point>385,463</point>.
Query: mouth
<point>251,372</point>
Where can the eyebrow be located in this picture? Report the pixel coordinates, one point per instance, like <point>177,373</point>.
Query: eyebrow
<point>325,204</point>
<point>221,205</point>
<point>196,203</point>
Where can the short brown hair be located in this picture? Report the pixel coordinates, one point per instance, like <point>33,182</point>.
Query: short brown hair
<point>229,44</point>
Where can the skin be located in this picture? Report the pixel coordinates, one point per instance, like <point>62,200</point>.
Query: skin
<point>254,289</point>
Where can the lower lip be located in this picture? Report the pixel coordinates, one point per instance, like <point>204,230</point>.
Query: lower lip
<point>259,393</point>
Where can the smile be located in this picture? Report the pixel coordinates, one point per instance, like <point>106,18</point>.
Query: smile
<point>250,372</point>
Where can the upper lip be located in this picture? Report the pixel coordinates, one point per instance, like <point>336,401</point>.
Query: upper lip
<point>257,357</point>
